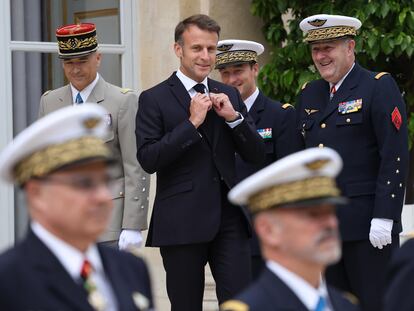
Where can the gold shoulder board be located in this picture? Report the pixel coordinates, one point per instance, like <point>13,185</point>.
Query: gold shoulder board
<point>286,106</point>
<point>234,305</point>
<point>379,75</point>
<point>304,85</point>
<point>45,93</point>
<point>124,91</point>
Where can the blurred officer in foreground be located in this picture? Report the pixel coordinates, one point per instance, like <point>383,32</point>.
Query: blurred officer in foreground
<point>78,49</point>
<point>360,114</point>
<point>276,123</point>
<point>293,201</point>
<point>62,164</point>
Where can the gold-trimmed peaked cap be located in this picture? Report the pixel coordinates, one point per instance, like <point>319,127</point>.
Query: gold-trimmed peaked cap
<point>233,52</point>
<point>325,27</point>
<point>67,136</point>
<point>304,178</point>
<point>76,40</point>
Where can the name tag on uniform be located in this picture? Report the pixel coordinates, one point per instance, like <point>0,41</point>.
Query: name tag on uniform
<point>351,106</point>
<point>265,133</point>
<point>108,119</point>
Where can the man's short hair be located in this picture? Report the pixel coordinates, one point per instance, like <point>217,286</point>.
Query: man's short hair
<point>202,21</point>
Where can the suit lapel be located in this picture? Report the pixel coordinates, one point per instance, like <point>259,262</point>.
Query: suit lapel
<point>344,92</point>
<point>179,92</point>
<point>279,293</point>
<point>98,93</point>
<point>51,273</point>
<point>257,108</point>
<point>112,269</point>
<point>65,99</point>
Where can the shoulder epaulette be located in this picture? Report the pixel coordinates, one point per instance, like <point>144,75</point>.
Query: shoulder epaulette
<point>379,75</point>
<point>45,93</point>
<point>234,305</point>
<point>126,90</point>
<point>304,85</point>
<point>286,106</point>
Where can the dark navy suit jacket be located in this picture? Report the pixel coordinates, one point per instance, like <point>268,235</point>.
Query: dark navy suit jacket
<point>270,293</point>
<point>191,164</point>
<point>32,278</point>
<point>373,149</point>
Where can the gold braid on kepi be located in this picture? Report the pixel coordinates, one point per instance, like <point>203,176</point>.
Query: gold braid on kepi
<point>76,40</point>
<point>296,191</point>
<point>329,33</point>
<point>232,57</point>
<point>55,156</point>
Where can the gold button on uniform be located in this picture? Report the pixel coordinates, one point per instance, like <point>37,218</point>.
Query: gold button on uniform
<point>323,125</point>
<point>320,145</point>
<point>393,195</point>
<point>348,120</point>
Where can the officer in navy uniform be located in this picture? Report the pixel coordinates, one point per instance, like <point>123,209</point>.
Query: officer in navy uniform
<point>361,114</point>
<point>276,123</point>
<point>63,165</point>
<point>293,201</point>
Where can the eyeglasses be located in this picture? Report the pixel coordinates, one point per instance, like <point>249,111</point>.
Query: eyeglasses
<point>82,183</point>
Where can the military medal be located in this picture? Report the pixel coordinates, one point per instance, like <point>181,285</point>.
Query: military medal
<point>265,133</point>
<point>349,107</point>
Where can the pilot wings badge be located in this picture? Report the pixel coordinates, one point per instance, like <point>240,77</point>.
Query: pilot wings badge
<point>311,111</point>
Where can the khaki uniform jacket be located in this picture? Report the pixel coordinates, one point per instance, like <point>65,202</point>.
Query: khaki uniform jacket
<point>131,190</point>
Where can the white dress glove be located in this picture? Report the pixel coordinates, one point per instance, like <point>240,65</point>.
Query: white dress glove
<point>129,238</point>
<point>380,232</point>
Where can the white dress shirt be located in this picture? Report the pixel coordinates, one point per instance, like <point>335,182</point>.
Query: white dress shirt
<point>338,85</point>
<point>306,293</point>
<point>72,261</point>
<point>85,92</point>
<point>251,99</point>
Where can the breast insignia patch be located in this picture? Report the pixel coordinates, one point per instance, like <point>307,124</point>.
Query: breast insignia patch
<point>311,111</point>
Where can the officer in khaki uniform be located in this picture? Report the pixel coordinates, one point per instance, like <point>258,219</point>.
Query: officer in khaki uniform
<point>361,114</point>
<point>293,202</point>
<point>80,59</point>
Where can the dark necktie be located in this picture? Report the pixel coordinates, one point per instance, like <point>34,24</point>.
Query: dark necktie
<point>199,88</point>
<point>332,92</point>
<point>95,298</point>
<point>79,99</point>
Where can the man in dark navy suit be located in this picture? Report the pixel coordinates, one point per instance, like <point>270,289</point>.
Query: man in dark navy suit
<point>276,123</point>
<point>361,114</point>
<point>62,164</point>
<point>293,202</point>
<point>189,128</point>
